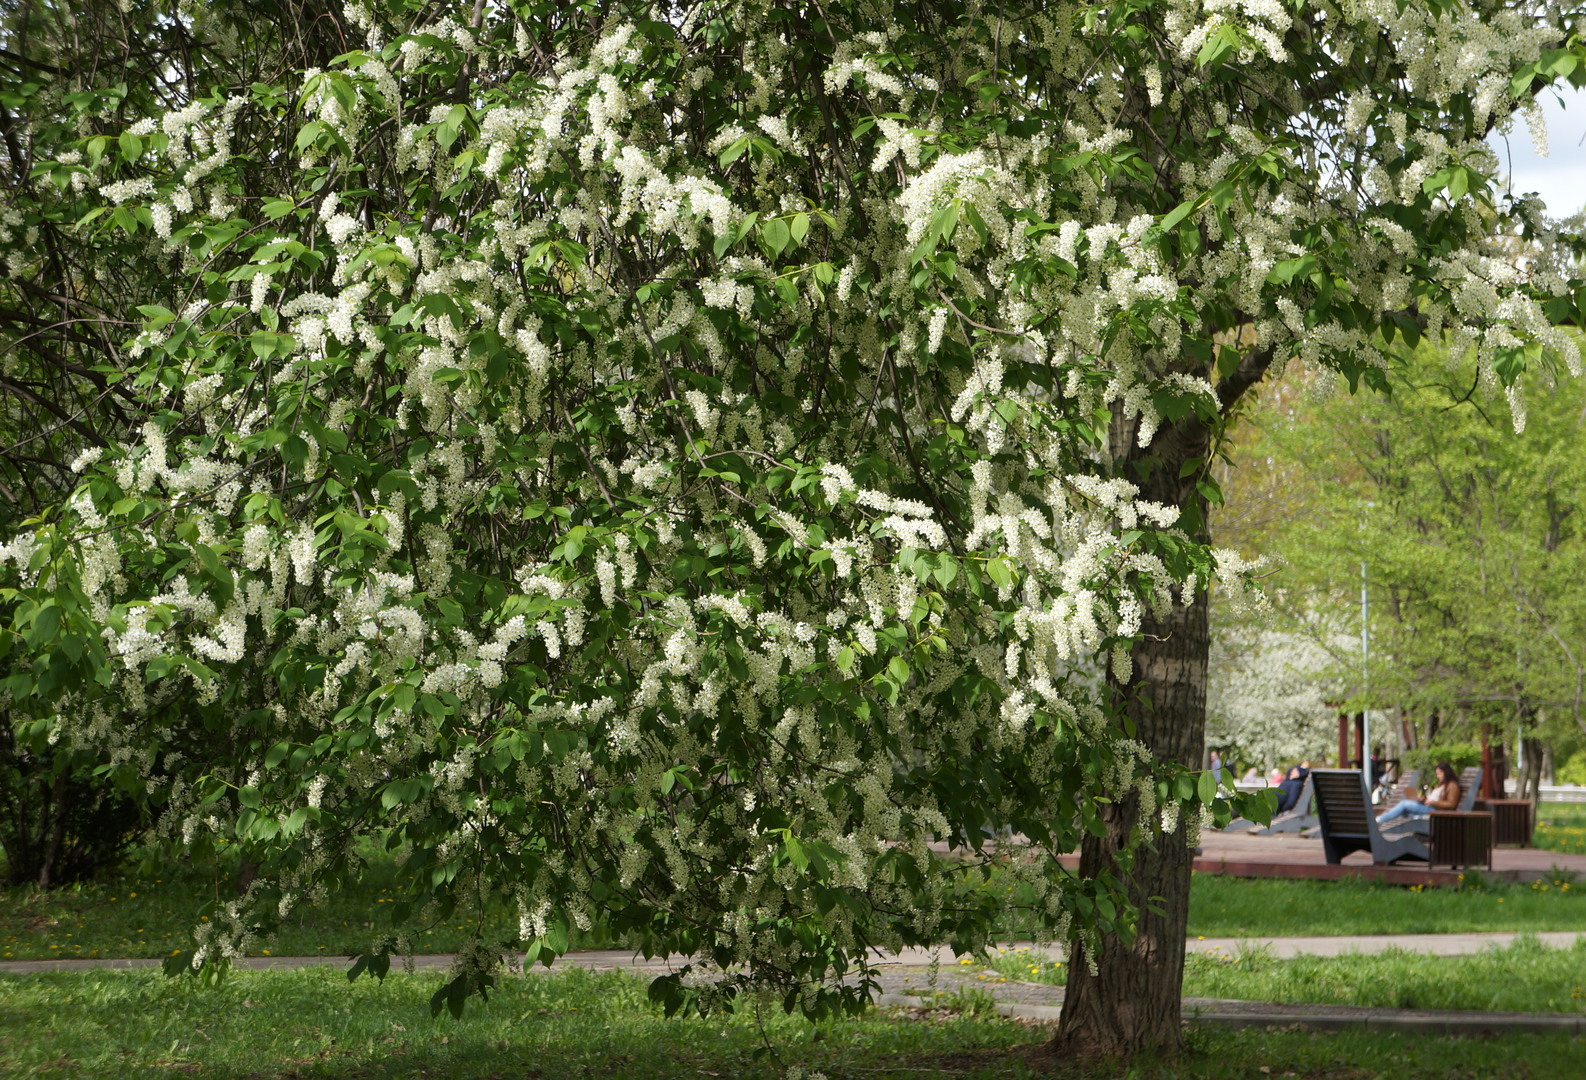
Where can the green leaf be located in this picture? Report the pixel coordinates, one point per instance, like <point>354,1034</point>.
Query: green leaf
<point>294,450</point>
<point>1409,328</point>
<point>977,222</point>
<point>1183,210</point>
<point>1288,269</point>
<point>155,316</point>
<point>898,668</point>
<point>1000,569</point>
<point>376,964</point>
<point>795,851</point>
<point>1206,787</point>
<point>46,625</point>
<point>776,235</point>
<point>1222,194</point>
<point>1437,181</point>
<point>943,224</point>
<point>309,132</point>
<point>733,151</point>
<point>1217,46</point>
<point>342,90</point>
<point>209,560</point>
<point>452,997</point>
<point>1557,62</point>
<point>946,571</point>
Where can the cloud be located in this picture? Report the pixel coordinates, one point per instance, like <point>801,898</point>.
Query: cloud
<point>1560,178</point>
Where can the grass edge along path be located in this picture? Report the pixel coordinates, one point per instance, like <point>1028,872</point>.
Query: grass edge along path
<point>1524,976</point>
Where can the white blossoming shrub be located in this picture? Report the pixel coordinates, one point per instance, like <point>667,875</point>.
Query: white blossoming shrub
<point>658,465</point>
<point>1275,693</point>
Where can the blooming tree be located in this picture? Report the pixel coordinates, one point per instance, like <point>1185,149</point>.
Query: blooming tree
<point>683,465</point>
<point>1274,693</point>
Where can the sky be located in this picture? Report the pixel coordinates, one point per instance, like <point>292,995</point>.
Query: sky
<point>1560,178</point>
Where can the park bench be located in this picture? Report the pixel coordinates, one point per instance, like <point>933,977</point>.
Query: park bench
<point>1348,824</point>
<point>1394,798</point>
<point>1295,819</point>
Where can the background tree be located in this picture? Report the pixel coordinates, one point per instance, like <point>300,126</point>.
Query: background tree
<point>672,464</point>
<point>1469,533</point>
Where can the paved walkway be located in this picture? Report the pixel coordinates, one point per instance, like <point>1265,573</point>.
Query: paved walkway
<point>909,980</point>
<point>1293,856</point>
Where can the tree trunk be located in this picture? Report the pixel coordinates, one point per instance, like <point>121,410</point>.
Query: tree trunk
<point>57,832</point>
<point>1131,1003</point>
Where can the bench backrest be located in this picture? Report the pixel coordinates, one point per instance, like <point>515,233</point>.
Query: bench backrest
<point>1396,794</point>
<point>1341,801</point>
<point>1469,787</point>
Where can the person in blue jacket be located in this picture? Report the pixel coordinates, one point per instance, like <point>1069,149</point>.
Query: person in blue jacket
<point>1291,786</point>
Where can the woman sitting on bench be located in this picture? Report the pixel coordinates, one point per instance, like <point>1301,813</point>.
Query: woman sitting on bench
<point>1445,796</point>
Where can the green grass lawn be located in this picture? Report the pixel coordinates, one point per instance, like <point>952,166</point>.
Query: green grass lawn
<point>1561,827</point>
<point>151,914</point>
<point>313,1024</point>
<point>1269,907</point>
<point>1524,977</point>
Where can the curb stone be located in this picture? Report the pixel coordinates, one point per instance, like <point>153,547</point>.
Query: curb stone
<point>1239,1014</point>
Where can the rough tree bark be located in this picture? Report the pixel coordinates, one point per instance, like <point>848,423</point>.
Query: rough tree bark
<point>1132,1003</point>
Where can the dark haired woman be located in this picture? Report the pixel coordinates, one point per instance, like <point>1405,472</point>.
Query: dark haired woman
<point>1445,796</point>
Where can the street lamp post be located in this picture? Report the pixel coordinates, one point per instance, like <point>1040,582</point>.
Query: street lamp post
<point>1365,678</point>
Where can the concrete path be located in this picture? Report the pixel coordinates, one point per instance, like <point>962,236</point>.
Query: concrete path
<point>910,981</point>
<point>1434,944</point>
<point>623,960</point>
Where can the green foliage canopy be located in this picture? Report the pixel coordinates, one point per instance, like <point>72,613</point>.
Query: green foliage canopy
<point>1470,533</point>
